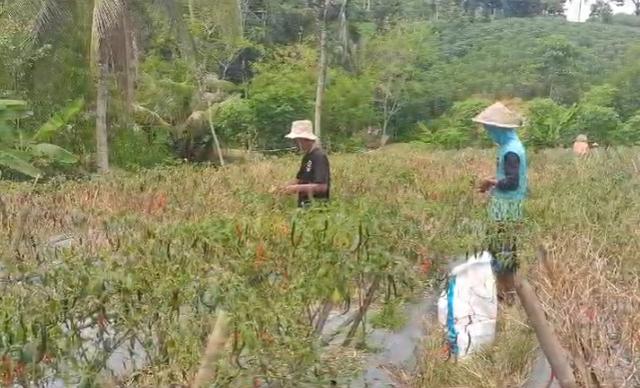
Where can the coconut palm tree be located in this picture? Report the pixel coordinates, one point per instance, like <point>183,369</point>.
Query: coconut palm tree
<point>112,50</point>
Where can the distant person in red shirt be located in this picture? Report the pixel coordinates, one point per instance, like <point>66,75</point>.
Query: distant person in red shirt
<point>581,145</point>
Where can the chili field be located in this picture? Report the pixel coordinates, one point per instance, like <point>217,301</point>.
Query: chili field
<point>123,275</point>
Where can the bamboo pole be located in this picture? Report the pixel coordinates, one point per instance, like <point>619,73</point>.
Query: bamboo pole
<point>215,345</point>
<point>549,342</point>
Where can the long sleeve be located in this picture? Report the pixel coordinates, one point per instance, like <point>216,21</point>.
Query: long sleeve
<point>511,171</point>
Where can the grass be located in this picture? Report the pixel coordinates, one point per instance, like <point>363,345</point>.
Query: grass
<point>156,253</point>
<point>390,316</point>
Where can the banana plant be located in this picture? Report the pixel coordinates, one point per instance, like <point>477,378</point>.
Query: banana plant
<point>18,152</point>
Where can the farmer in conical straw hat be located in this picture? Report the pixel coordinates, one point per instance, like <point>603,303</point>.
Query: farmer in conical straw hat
<point>507,189</point>
<point>581,145</point>
<point>313,181</point>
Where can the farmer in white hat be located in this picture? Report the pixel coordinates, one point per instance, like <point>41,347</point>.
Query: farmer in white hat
<point>313,181</point>
<point>508,189</point>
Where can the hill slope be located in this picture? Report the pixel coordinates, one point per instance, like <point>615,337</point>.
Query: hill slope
<point>507,56</point>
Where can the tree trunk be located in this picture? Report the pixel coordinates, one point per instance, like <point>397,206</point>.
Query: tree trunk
<point>580,10</point>
<point>130,52</point>
<point>322,70</point>
<point>240,17</point>
<point>102,143</point>
<point>344,33</point>
<point>216,143</point>
<point>192,14</point>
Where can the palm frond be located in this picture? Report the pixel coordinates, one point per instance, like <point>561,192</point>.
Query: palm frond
<point>107,16</point>
<point>43,16</point>
<point>51,14</point>
<point>147,116</point>
<point>113,42</point>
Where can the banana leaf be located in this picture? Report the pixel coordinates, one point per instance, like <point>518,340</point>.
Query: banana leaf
<point>53,152</point>
<point>12,104</point>
<point>60,119</point>
<point>12,161</point>
<point>20,154</point>
<point>13,109</point>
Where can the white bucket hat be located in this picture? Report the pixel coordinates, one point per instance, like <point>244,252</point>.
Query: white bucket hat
<point>499,115</point>
<point>302,129</point>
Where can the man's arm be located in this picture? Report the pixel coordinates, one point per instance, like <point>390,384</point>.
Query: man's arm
<point>511,171</point>
<point>309,188</point>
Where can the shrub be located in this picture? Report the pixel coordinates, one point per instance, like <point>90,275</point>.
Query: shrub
<point>446,137</point>
<point>348,104</point>
<point>600,123</point>
<point>602,95</point>
<point>630,132</point>
<point>456,129</point>
<point>464,111</point>
<point>127,145</point>
<point>625,20</point>
<point>235,121</point>
<point>628,82</point>
<point>283,91</point>
<point>548,124</point>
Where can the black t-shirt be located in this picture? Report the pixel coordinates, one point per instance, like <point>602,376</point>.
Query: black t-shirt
<point>314,169</point>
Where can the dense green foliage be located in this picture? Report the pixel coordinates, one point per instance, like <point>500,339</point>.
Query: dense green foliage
<point>404,70</point>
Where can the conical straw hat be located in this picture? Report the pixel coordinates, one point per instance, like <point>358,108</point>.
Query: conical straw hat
<point>500,116</point>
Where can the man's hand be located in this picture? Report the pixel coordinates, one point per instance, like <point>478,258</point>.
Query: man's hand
<point>487,184</point>
<point>278,190</point>
<point>274,189</point>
